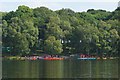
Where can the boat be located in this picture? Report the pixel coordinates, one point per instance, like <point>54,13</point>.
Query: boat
<point>34,58</point>
<point>53,58</point>
<point>87,58</point>
<point>111,58</point>
<point>40,58</point>
<point>104,58</point>
<point>98,58</point>
<point>22,58</point>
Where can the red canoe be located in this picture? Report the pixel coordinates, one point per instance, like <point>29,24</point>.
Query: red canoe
<point>54,58</point>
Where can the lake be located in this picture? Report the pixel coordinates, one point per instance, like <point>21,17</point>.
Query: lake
<point>60,69</point>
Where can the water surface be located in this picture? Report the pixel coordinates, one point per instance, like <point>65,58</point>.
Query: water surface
<point>60,69</point>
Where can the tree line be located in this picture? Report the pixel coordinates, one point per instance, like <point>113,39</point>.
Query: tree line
<point>41,30</point>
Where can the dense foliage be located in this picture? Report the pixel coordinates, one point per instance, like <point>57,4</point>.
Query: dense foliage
<point>42,30</point>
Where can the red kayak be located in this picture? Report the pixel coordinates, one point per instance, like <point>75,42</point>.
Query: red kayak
<point>53,58</point>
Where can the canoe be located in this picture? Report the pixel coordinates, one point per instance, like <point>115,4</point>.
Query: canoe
<point>53,58</point>
<point>87,58</point>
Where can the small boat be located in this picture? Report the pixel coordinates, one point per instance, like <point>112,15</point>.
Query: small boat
<point>87,58</point>
<point>104,58</point>
<point>53,58</point>
<point>111,58</point>
<point>40,58</point>
<point>98,58</point>
<point>34,58</point>
<point>22,58</point>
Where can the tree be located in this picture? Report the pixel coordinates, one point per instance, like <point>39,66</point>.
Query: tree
<point>53,46</point>
<point>63,31</point>
<point>53,28</point>
<point>20,33</point>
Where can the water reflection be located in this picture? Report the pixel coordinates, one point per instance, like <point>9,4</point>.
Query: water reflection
<point>53,69</point>
<point>61,69</point>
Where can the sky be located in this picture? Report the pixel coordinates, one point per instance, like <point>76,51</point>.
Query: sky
<point>75,5</point>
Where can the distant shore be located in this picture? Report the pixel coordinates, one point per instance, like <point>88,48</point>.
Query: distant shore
<point>42,58</point>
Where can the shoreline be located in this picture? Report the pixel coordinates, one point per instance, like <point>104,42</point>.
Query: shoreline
<point>63,58</point>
